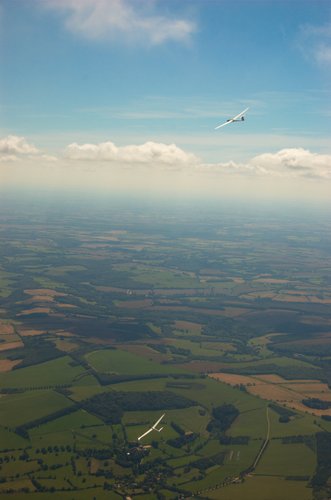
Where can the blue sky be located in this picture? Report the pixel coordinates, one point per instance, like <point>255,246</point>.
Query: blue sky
<point>92,72</point>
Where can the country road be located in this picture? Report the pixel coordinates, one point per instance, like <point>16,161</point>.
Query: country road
<point>265,442</point>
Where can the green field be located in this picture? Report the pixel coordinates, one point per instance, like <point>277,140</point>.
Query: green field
<point>52,373</point>
<point>115,361</point>
<point>197,349</point>
<point>303,424</point>
<point>16,409</point>
<point>264,488</point>
<point>76,420</point>
<point>252,422</point>
<point>10,440</point>
<point>287,460</point>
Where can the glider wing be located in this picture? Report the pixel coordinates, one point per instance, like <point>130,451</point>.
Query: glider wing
<point>240,114</point>
<point>145,433</point>
<point>223,124</point>
<point>153,428</point>
<point>158,421</point>
<point>231,120</point>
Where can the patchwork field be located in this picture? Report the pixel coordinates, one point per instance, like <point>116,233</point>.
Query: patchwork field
<point>289,393</point>
<point>113,317</point>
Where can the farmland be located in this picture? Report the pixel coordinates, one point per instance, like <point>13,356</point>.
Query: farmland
<point>287,392</point>
<point>111,317</point>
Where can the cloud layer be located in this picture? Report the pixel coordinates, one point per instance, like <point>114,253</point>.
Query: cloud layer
<point>150,153</point>
<point>288,163</point>
<point>127,20</point>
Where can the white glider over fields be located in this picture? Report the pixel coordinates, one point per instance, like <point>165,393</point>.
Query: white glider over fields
<point>153,428</point>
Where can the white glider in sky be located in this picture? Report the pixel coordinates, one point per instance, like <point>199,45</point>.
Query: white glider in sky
<point>237,118</point>
<point>153,428</point>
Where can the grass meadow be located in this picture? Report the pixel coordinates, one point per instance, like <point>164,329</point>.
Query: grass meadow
<point>294,459</point>
<point>59,371</point>
<point>264,488</point>
<point>16,409</point>
<point>115,361</point>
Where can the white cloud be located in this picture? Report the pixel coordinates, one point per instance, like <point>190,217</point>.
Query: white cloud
<point>287,163</point>
<point>150,153</point>
<point>294,162</point>
<point>14,148</point>
<point>227,168</point>
<point>14,145</point>
<point>128,20</point>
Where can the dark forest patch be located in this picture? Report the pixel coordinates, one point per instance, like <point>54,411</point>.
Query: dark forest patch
<point>110,406</point>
